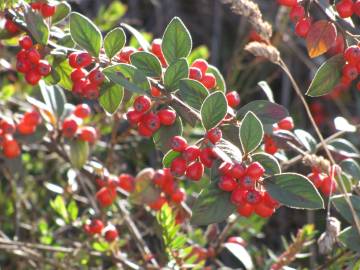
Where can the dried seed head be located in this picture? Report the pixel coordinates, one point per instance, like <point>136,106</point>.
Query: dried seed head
<point>318,162</point>
<point>328,238</point>
<point>261,49</point>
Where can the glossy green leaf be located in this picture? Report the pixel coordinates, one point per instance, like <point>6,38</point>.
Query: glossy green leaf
<point>148,63</point>
<point>63,10</point>
<point>58,205</point>
<point>306,139</point>
<point>351,167</point>
<point>270,164</point>
<point>73,210</point>
<point>174,73</point>
<point>213,110</point>
<point>85,33</point>
<point>231,133</point>
<point>251,132</point>
<point>114,41</point>
<point>60,75</point>
<point>227,151</point>
<point>342,207</point>
<point>344,147</point>
<point>54,98</point>
<point>79,153</point>
<point>192,92</point>
<point>37,26</point>
<point>162,137</point>
<point>294,190</point>
<point>350,238</point>
<point>110,97</point>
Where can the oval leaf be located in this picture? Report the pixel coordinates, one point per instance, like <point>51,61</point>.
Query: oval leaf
<point>342,207</point>
<point>213,110</point>
<point>110,97</point>
<point>114,41</point>
<point>294,190</point>
<point>192,92</point>
<point>79,152</point>
<point>37,26</point>
<point>351,167</point>
<point>162,138</point>
<point>85,33</point>
<point>251,133</point>
<point>270,164</point>
<point>320,38</point>
<point>148,63</point>
<point>174,73</point>
<point>350,238</point>
<point>62,11</point>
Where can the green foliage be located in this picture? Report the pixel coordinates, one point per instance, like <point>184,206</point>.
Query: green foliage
<point>213,110</point>
<point>110,97</point>
<point>114,41</point>
<point>251,133</point>
<point>147,63</point>
<point>37,26</point>
<point>174,73</point>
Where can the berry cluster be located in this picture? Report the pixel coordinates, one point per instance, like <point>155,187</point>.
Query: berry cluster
<point>346,8</point>
<point>30,63</point>
<point>45,9</point>
<point>71,126</point>
<point>270,146</point>
<point>85,84</point>
<point>244,183</point>
<point>96,227</point>
<point>26,126</point>
<point>11,27</point>
<point>198,71</point>
<point>325,183</point>
<point>108,184</point>
<point>147,121</point>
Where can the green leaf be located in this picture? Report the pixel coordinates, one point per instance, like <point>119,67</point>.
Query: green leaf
<point>228,152</point>
<point>129,77</point>
<point>114,41</point>
<point>37,26</point>
<point>294,190</point>
<point>268,112</point>
<point>61,73</point>
<point>110,97</point>
<point>213,110</point>
<point>144,192</point>
<point>58,205</point>
<point>342,207</point>
<point>36,137</point>
<point>251,132</point>
<point>220,81</point>
<point>73,210</point>
<point>79,152</point>
<point>351,167</point>
<point>174,73</point>
<point>270,164</point>
<point>109,16</point>
<point>63,10</point>
<point>306,139</point>
<point>350,238</point>
<point>144,44</point>
<point>85,33</point>
<point>176,42</point>
<point>101,246</point>
<point>169,157</point>
<point>192,92</point>
<point>162,137</point>
<point>231,133</point>
<point>327,76</point>
<point>148,63</point>
<point>54,98</point>
<point>344,147</point>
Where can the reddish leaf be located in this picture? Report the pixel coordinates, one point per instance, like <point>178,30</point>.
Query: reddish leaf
<point>321,37</point>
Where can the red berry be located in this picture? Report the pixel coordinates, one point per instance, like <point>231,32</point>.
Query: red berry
<point>195,73</point>
<point>238,196</point>
<point>169,186</point>
<point>339,45</point>
<point>7,126</point>
<point>78,74</point>
<point>155,92</point>
<point>207,157</point>
<point>297,12</point>
<point>133,116</point>
<point>160,178</point>
<point>124,55</point>
<point>127,182</point>
<point>25,42</point>
<point>79,86</point>
<point>144,130</point>
<point>356,7</point>
<point>80,60</point>
<point>142,104</point>
<point>316,178</point>
<point>352,54</point>
<point>47,10</point>
<point>112,182</point>
<point>31,118</point>
<point>32,77</point>
<point>106,196</point>
<point>209,81</point>
<point>43,68</point>
<point>195,171</point>
<point>270,201</point>
<point>178,144</point>
<point>96,226</point>
<point>156,47</point>
<point>158,203</point>
<point>88,134</point>
<point>345,8</point>
<point>263,210</point>
<point>201,64</point>
<point>36,5</point>
<point>82,111</point>
<point>288,3</point>
<point>287,123</point>
<point>238,171</point>
<point>178,166</point>
<point>33,55</point>
<point>96,76</point>
<point>225,168</point>
<point>111,235</point>
<point>328,186</point>
<point>11,27</point>
<point>245,209</point>
<point>253,196</point>
<point>151,121</point>
<point>350,71</point>
<point>91,90</point>
<point>233,99</point>
<point>69,127</point>
<point>302,27</point>
<point>23,66</point>
<point>167,117</point>
<point>178,196</point>
<point>72,59</point>
<point>25,129</point>
<point>227,183</point>
<point>236,240</point>
<point>247,182</point>
<point>11,148</point>
<point>255,170</point>
<point>191,153</point>
<point>214,135</point>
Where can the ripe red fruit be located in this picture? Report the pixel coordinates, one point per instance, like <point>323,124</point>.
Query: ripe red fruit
<point>96,226</point>
<point>288,3</point>
<point>263,210</point>
<point>159,178</point>
<point>214,135</point>
<point>80,60</point>
<point>167,117</point>
<point>253,196</point>
<point>356,7</point>
<point>339,45</point>
<point>11,148</point>
<point>233,99</point>
<point>33,55</point>
<point>69,127</point>
<point>25,42</point>
<point>11,27</point>
<point>158,203</point>
<point>43,68</point>
<point>195,171</point>
<point>297,12</point>
<point>227,183</point>
<point>238,196</point>
<point>36,5</point>
<point>124,55</point>
<point>91,90</point>
<point>255,170</point>
<point>302,27</point>
<point>82,111</point>
<point>144,130</point>
<point>151,121</point>
<point>79,86</point>
<point>78,74</point>
<point>328,186</point>
<point>156,47</point>
<point>25,129</point>
<point>47,10</point>
<point>178,166</point>
<point>178,196</point>
<point>142,104</point>
<point>225,168</point>
<point>23,66</point>
<point>209,81</point>
<point>350,71</point>
<point>201,64</point>
<point>155,92</point>
<point>133,116</point>
<point>247,182</point>
<point>32,77</point>
<point>127,182</point>
<point>106,196</point>
<point>287,123</point>
<point>169,186</point>
<point>207,157</point>
<point>345,8</point>
<point>96,76</point>
<point>316,178</point>
<point>178,143</point>
<point>88,134</point>
<point>237,240</point>
<point>352,54</point>
<point>238,171</point>
<point>191,153</point>
<point>111,235</point>
<point>195,73</point>
<point>270,145</point>
<point>31,118</point>
<point>245,209</point>
<point>7,126</point>
<point>270,201</point>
